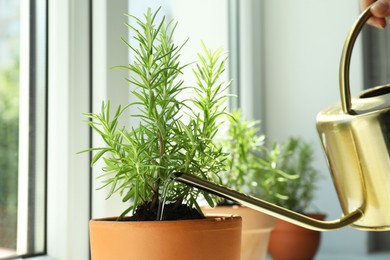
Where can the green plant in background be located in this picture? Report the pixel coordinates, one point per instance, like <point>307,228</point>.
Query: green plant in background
<point>282,174</point>
<point>172,134</point>
<point>243,143</point>
<point>296,158</point>
<point>9,135</point>
<point>253,168</point>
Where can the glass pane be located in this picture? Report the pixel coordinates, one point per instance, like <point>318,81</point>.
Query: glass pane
<point>9,124</point>
<point>22,127</point>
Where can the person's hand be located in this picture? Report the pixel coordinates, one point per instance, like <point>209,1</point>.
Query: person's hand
<point>380,11</point>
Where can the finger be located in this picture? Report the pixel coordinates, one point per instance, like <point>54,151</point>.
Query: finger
<point>377,22</point>
<point>365,3</point>
<point>381,9</point>
<point>378,11</point>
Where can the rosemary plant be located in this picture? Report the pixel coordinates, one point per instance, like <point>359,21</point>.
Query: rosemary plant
<point>172,134</point>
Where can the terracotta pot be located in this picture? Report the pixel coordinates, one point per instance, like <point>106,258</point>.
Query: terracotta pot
<point>289,241</point>
<point>211,238</point>
<point>256,229</point>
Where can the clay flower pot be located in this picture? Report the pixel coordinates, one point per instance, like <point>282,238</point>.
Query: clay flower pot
<point>256,229</point>
<point>289,241</point>
<point>211,238</point>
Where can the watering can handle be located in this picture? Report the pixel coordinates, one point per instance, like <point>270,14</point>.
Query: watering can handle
<point>345,92</point>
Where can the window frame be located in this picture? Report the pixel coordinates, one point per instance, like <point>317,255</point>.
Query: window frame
<point>78,74</point>
<point>71,57</point>
<point>32,129</point>
<point>69,83</point>
<point>32,98</point>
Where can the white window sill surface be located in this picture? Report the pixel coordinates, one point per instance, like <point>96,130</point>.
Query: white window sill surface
<point>373,256</point>
<point>45,257</point>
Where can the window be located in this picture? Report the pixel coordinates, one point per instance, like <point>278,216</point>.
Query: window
<point>9,117</point>
<point>22,127</point>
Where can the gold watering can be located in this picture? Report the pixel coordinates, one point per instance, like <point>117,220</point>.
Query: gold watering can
<point>355,135</point>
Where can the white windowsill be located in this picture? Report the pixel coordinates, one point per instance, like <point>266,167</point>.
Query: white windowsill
<point>45,257</point>
<point>373,256</point>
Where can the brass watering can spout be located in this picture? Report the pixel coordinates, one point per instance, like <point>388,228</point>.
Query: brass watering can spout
<point>355,135</point>
<point>266,207</point>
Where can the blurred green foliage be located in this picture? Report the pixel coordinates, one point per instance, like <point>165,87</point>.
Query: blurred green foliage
<point>9,132</point>
<point>281,173</point>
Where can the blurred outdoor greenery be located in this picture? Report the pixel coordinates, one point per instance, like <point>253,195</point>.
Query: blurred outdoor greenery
<point>9,124</point>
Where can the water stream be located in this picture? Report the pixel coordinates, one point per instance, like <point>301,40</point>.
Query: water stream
<point>161,205</point>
